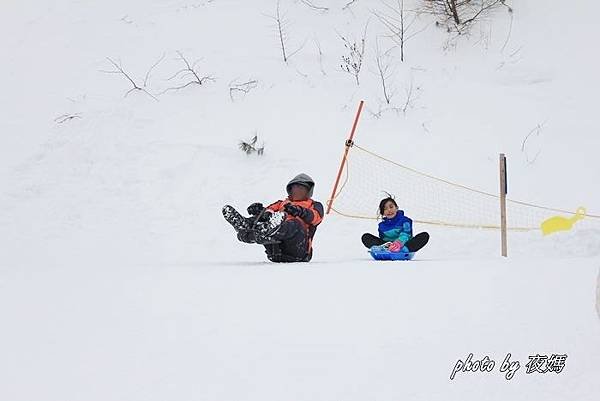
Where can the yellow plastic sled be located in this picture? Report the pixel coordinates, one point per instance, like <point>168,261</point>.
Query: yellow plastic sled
<point>559,223</point>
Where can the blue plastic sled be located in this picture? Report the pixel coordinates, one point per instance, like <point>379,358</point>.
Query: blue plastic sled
<point>382,254</point>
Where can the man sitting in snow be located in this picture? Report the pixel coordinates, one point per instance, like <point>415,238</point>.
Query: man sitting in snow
<point>289,240</point>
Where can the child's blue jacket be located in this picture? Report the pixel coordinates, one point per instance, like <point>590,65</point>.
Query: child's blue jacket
<point>397,228</point>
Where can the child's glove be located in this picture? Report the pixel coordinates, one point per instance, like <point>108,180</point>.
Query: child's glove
<point>395,246</point>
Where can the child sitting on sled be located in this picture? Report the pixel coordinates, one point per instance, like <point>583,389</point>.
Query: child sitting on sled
<point>395,229</point>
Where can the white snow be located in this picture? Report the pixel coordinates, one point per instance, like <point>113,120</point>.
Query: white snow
<point>119,279</point>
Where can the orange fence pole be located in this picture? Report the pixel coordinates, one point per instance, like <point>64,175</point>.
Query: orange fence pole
<point>348,144</point>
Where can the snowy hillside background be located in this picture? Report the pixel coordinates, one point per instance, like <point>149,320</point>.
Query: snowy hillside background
<point>119,279</point>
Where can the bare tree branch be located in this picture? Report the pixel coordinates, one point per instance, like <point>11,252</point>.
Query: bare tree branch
<point>280,30</point>
<point>458,16</point>
<point>320,57</point>
<point>151,68</point>
<point>396,22</point>
<point>119,70</point>
<point>311,5</point>
<point>409,94</point>
<point>383,67</point>
<point>352,62</point>
<point>189,74</point>
<point>349,4</point>
<point>243,87</point>
<point>509,32</point>
<point>535,131</point>
<point>66,117</point>
<point>280,25</point>
<point>297,50</point>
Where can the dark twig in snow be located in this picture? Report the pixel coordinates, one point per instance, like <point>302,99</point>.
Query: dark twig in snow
<point>189,74</point>
<point>119,70</point>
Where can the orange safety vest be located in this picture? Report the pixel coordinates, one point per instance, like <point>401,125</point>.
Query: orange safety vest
<point>309,228</point>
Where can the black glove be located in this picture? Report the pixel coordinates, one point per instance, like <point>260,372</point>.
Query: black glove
<point>294,210</point>
<point>255,209</point>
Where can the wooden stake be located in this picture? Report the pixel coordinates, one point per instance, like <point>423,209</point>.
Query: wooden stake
<point>503,191</point>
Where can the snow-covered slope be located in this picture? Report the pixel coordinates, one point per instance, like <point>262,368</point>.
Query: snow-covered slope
<point>119,278</point>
